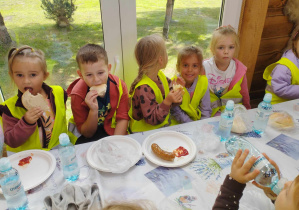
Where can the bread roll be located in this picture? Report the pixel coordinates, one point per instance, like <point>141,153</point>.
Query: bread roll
<point>30,101</point>
<point>281,120</point>
<point>101,89</point>
<point>178,87</point>
<point>238,125</point>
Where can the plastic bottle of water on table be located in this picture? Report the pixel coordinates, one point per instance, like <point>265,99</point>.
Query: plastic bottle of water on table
<point>12,187</point>
<point>268,175</point>
<point>68,158</point>
<point>226,121</point>
<point>262,114</point>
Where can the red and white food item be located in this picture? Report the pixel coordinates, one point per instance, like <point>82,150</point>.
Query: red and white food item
<point>180,151</point>
<point>25,160</point>
<point>162,153</point>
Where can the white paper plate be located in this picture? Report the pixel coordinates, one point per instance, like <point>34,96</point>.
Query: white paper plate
<point>40,168</point>
<point>92,156</point>
<point>169,141</point>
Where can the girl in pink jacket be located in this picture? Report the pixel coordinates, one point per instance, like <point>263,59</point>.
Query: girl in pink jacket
<point>226,75</point>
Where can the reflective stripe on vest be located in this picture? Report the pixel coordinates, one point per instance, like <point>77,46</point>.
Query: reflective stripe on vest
<point>59,124</point>
<point>219,103</point>
<point>120,88</point>
<point>191,107</point>
<point>72,128</point>
<point>141,125</point>
<point>267,76</point>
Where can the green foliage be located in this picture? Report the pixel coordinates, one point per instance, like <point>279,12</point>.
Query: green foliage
<point>59,10</point>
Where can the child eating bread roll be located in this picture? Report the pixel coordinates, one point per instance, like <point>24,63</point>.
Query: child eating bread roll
<point>196,99</point>
<point>35,117</point>
<point>99,100</point>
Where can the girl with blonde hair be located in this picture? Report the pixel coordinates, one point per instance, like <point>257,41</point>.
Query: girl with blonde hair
<point>151,92</point>
<point>226,74</point>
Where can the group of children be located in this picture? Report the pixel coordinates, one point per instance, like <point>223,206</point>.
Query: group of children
<point>151,101</point>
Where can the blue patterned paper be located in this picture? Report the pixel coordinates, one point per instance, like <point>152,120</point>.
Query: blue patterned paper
<point>170,180</point>
<point>287,145</point>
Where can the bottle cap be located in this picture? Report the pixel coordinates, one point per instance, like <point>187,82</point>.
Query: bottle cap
<point>268,97</point>
<point>230,105</point>
<point>4,164</point>
<point>279,186</point>
<point>64,139</point>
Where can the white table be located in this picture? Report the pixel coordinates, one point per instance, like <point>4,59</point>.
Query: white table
<point>193,186</point>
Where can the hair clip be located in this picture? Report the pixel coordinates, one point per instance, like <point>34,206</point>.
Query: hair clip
<point>227,26</point>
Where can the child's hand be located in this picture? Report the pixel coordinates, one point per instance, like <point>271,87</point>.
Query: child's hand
<point>32,115</point>
<point>91,100</point>
<point>267,190</point>
<point>240,170</point>
<point>173,97</point>
<point>179,80</point>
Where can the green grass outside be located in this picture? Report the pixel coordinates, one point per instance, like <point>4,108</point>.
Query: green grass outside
<point>193,23</point>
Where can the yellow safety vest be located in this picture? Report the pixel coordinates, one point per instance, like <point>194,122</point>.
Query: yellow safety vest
<point>267,76</point>
<point>59,127</point>
<point>73,132</point>
<point>219,103</point>
<point>141,125</point>
<point>190,107</point>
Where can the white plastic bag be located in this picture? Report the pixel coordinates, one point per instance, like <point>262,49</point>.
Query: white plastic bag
<point>205,138</point>
<point>116,159</point>
<point>241,123</point>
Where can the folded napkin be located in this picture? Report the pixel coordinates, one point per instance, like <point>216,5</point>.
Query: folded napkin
<point>73,197</point>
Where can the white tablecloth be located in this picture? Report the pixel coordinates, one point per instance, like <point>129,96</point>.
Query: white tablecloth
<point>193,186</point>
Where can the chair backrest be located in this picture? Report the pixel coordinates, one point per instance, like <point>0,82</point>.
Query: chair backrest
<point>1,96</point>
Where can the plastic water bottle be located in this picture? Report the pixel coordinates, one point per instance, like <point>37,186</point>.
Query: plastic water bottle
<point>226,121</point>
<point>68,158</point>
<point>262,114</point>
<point>268,175</point>
<point>12,187</point>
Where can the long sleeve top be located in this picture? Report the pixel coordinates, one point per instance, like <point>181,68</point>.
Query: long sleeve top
<point>146,107</point>
<point>282,77</point>
<point>229,195</point>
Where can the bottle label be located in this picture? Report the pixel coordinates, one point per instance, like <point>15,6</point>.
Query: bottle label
<point>261,114</point>
<point>259,163</point>
<point>12,189</point>
<point>225,123</point>
<point>71,159</point>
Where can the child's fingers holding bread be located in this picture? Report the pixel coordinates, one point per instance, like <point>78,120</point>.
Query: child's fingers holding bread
<point>32,115</point>
<point>91,100</point>
<point>178,88</point>
<point>180,81</point>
